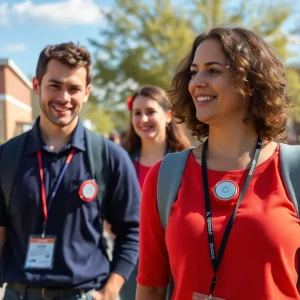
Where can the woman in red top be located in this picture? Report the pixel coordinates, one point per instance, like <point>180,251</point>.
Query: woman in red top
<point>152,133</point>
<point>232,233</point>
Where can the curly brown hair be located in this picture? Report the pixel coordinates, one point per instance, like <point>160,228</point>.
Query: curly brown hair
<point>252,62</point>
<point>68,54</point>
<point>176,139</point>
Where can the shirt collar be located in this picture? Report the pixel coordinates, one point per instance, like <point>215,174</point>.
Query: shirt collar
<point>35,140</point>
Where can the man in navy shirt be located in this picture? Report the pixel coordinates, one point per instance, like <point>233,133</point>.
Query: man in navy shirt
<point>50,235</point>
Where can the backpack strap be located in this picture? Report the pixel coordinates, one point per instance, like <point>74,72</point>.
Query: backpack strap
<point>98,160</point>
<point>169,181</point>
<point>12,152</point>
<point>168,184</point>
<point>290,169</point>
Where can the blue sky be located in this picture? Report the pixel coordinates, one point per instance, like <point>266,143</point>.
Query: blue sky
<point>27,26</point>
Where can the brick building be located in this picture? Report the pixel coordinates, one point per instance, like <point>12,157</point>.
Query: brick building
<point>15,100</point>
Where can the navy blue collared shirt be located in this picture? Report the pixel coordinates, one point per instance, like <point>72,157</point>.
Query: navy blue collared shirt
<point>80,259</point>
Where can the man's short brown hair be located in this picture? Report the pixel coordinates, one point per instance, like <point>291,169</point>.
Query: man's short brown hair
<point>68,54</point>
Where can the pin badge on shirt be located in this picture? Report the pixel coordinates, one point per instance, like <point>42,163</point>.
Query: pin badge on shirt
<point>88,190</point>
<point>226,190</point>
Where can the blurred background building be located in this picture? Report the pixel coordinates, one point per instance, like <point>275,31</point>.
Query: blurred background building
<point>15,100</point>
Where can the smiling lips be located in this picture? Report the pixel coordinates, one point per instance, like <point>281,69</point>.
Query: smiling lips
<point>145,128</point>
<point>203,100</point>
<point>60,109</point>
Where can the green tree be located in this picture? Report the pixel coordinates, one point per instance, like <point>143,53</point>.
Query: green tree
<point>35,105</point>
<point>100,120</point>
<point>143,43</point>
<point>294,91</point>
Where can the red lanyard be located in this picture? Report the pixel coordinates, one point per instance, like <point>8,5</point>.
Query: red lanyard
<point>43,189</point>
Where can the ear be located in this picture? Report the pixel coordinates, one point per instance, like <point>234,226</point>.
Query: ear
<point>36,86</point>
<point>87,93</point>
<point>169,116</point>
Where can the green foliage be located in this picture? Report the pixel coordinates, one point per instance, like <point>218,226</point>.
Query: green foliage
<point>294,91</point>
<point>100,119</point>
<point>35,105</point>
<point>275,14</point>
<point>142,42</point>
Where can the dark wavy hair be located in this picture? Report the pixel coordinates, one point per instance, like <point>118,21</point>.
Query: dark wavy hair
<point>253,63</point>
<point>176,139</point>
<point>68,54</point>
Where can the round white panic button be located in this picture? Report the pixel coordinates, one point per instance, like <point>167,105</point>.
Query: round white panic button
<point>226,190</point>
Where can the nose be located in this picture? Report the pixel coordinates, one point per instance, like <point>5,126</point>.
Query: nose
<point>64,96</point>
<point>199,80</point>
<point>144,118</point>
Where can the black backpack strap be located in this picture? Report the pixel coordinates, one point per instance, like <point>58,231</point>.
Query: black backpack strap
<point>12,153</point>
<point>290,169</point>
<point>98,159</point>
<point>168,184</point>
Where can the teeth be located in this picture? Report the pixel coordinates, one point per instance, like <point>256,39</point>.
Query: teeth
<point>206,98</point>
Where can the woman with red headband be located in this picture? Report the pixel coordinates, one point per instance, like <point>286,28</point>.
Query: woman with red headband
<point>152,133</point>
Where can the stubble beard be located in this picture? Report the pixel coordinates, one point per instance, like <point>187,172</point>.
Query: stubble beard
<point>46,110</point>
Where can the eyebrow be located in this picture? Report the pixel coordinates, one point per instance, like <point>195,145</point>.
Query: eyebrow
<point>54,81</point>
<point>61,83</point>
<point>209,64</point>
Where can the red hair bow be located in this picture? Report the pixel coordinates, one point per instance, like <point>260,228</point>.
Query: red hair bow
<point>129,103</point>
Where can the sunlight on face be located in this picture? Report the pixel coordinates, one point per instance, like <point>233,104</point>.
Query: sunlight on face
<point>212,88</point>
<point>62,93</point>
<point>149,119</point>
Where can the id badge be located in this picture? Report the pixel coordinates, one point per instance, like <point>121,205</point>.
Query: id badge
<point>40,252</point>
<point>197,296</point>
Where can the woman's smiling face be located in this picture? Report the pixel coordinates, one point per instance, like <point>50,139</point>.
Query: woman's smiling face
<point>149,119</point>
<point>211,86</point>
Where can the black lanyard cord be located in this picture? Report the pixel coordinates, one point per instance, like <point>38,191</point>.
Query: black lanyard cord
<point>216,259</point>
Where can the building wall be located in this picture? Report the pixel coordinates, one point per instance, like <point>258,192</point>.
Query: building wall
<point>14,115</point>
<point>2,82</point>
<point>15,103</point>
<point>16,87</point>
<point>2,123</point>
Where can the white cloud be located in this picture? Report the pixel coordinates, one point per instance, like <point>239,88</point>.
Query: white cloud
<point>13,48</point>
<point>4,18</point>
<point>64,13</point>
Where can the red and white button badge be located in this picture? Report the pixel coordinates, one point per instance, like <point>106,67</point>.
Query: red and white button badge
<point>88,190</point>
